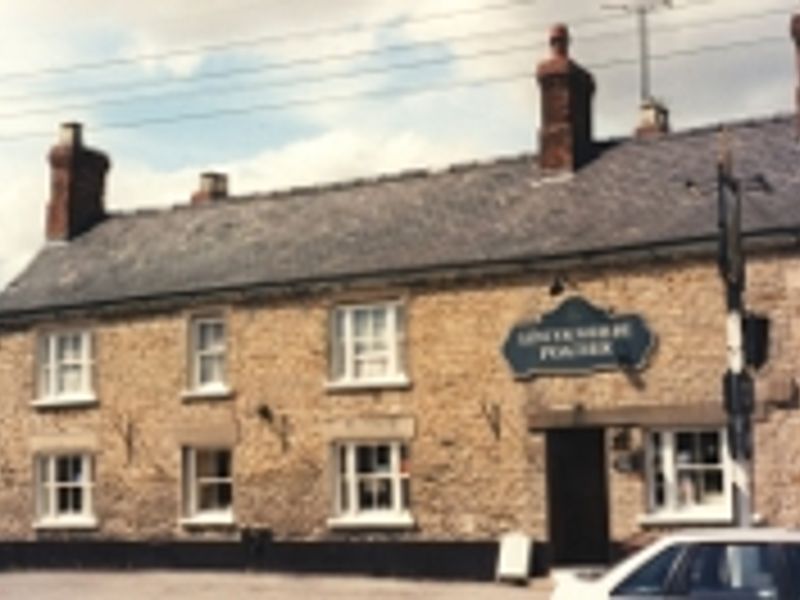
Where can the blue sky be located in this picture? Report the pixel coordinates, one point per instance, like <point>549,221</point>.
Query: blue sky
<point>176,58</point>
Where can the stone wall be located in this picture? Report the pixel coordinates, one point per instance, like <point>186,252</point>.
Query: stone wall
<point>476,470</point>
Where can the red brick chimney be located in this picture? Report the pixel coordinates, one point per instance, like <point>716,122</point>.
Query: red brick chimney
<point>213,187</point>
<point>565,137</point>
<point>796,36</point>
<point>77,184</point>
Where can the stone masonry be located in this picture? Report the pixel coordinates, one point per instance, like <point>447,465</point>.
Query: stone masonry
<point>476,469</point>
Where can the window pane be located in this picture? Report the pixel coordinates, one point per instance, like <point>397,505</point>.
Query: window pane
<point>366,494</point>
<point>337,345</point>
<point>736,567</point>
<point>215,496</point>
<point>213,463</point>
<point>379,322</point>
<point>364,459</point>
<point>383,458</point>
<point>383,493</point>
<point>361,322</point>
<point>652,578</point>
<point>211,335</point>
<point>211,369</point>
<point>405,499</point>
<point>69,347</point>
<point>70,379</point>
<point>709,448</point>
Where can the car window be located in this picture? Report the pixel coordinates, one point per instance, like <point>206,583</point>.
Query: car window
<point>793,557</point>
<point>738,570</point>
<point>652,577</point>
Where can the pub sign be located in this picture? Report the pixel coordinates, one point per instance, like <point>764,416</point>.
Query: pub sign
<point>578,338</point>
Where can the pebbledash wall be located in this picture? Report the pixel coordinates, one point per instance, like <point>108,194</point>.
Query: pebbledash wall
<point>480,443</point>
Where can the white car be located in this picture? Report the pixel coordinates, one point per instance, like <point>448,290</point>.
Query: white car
<point>712,564</point>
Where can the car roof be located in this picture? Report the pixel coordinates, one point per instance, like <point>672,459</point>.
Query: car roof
<point>735,534</point>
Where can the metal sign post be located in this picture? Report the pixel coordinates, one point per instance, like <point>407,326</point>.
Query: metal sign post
<point>737,383</point>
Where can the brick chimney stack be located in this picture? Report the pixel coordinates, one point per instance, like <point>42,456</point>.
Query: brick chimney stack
<point>213,187</point>
<point>796,36</point>
<point>565,136</point>
<point>77,185</point>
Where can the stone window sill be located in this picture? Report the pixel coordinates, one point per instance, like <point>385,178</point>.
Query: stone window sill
<point>209,520</point>
<point>70,523</point>
<point>402,520</point>
<point>401,382</point>
<point>209,393</point>
<point>72,401</point>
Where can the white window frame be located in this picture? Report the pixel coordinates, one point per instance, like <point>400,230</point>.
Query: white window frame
<point>193,514</point>
<point>671,512</point>
<point>196,354</point>
<point>350,514</point>
<point>342,350</point>
<point>48,368</point>
<point>47,486</point>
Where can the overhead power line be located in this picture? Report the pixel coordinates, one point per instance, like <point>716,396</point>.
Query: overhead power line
<point>303,34</point>
<point>255,41</point>
<point>378,70</point>
<point>320,60</point>
<point>396,92</point>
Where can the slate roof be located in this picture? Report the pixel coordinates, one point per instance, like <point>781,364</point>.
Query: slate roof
<point>635,194</point>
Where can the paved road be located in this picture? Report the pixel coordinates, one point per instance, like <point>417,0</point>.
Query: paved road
<point>235,586</point>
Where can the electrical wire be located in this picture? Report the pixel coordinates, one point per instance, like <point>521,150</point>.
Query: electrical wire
<point>486,53</point>
<point>251,42</point>
<point>396,92</point>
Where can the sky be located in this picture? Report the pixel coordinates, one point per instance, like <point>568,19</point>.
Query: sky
<point>278,94</point>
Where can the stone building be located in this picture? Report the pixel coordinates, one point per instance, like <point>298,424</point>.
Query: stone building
<point>330,365</point>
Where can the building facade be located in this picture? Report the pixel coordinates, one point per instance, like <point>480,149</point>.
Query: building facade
<point>326,365</point>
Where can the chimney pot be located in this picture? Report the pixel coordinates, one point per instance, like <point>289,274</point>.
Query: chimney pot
<point>213,186</point>
<point>77,185</point>
<point>653,120</point>
<point>567,90</point>
<point>71,134</point>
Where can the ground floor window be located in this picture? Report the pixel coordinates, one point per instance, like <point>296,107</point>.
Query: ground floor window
<point>688,474</point>
<point>372,483</point>
<point>208,485</point>
<point>64,485</point>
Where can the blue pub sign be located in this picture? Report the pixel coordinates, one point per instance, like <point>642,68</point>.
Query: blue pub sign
<point>578,338</point>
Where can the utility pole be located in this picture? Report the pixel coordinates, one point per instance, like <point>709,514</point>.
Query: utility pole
<point>642,9</point>
<point>737,384</point>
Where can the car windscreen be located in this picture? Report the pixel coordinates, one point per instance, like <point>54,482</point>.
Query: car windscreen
<point>652,578</point>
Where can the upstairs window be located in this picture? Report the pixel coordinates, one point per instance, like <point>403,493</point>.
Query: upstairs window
<point>65,368</point>
<point>689,474</point>
<point>64,485</point>
<point>366,345</point>
<point>208,354</point>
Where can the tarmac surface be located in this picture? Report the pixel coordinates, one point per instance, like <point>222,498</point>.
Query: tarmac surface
<point>151,585</point>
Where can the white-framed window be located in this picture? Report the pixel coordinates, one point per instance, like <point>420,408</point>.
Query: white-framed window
<point>64,484</point>
<point>208,485</point>
<point>372,484</point>
<point>65,367</point>
<point>208,354</point>
<point>367,344</point>
<point>689,474</point>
